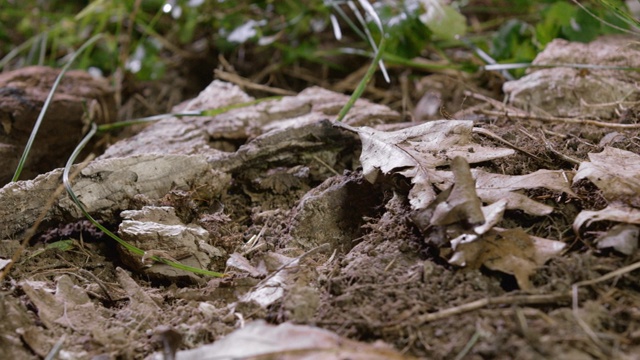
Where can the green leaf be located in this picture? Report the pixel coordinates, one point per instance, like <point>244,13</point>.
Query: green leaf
<point>582,27</point>
<point>62,245</point>
<point>445,22</point>
<point>554,18</point>
<point>513,42</point>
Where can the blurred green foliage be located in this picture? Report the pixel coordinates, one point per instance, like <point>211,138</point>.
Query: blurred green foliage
<point>519,41</point>
<point>407,35</point>
<point>141,36</point>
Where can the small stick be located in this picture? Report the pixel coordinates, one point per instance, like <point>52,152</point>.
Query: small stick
<point>561,119</point>
<point>493,102</point>
<point>490,134</point>
<point>615,273</point>
<point>478,304</point>
<point>241,81</point>
<point>558,153</point>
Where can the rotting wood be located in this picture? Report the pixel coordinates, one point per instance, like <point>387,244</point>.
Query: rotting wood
<point>106,187</point>
<point>109,184</point>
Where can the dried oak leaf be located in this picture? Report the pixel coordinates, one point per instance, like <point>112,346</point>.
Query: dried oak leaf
<point>459,209</point>
<point>259,340</point>
<point>462,203</point>
<point>494,187</point>
<point>617,213</point>
<point>617,174</point>
<point>415,152</point>
<point>622,237</point>
<point>511,251</point>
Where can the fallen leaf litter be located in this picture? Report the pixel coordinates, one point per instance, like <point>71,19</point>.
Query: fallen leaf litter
<point>424,217</point>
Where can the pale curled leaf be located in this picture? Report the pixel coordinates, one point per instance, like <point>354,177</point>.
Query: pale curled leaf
<point>511,251</point>
<point>616,172</point>
<point>493,215</point>
<point>462,204</point>
<point>624,214</point>
<point>495,187</point>
<point>457,210</point>
<point>259,340</point>
<point>415,152</point>
<point>622,237</point>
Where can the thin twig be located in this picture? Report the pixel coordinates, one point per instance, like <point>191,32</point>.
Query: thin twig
<point>495,136</point>
<point>561,119</point>
<point>246,83</point>
<point>493,102</point>
<point>585,327</point>
<point>326,165</point>
<point>478,304</point>
<point>56,348</point>
<point>564,157</point>
<point>474,339</point>
<point>611,275</point>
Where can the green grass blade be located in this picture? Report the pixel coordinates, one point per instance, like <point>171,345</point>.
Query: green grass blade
<point>621,13</point>
<point>336,7</point>
<point>47,102</point>
<point>208,112</point>
<point>374,16</point>
<point>126,245</point>
<point>363,83</point>
<point>43,48</point>
<point>17,50</point>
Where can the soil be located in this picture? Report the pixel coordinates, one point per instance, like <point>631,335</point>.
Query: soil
<point>303,238</point>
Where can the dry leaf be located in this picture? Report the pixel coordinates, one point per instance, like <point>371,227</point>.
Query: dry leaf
<point>462,204</point>
<point>415,152</point>
<point>511,251</point>
<point>494,187</point>
<point>622,237</point>
<point>620,213</point>
<point>259,340</point>
<point>616,172</point>
<point>493,214</point>
<point>458,208</point>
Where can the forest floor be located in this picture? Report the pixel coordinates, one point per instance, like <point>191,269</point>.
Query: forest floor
<point>370,230</point>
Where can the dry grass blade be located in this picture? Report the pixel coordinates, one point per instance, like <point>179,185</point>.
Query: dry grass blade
<point>577,121</point>
<point>248,84</point>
